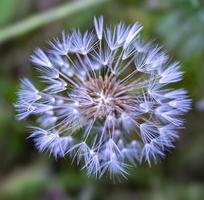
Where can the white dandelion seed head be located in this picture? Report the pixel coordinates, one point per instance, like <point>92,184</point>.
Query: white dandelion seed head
<point>106,101</point>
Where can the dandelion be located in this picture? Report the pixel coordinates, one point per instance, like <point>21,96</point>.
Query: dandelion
<point>106,99</point>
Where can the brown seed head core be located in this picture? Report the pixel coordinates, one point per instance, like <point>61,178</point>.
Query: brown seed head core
<point>102,97</point>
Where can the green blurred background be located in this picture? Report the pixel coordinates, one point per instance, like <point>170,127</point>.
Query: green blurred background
<point>26,174</point>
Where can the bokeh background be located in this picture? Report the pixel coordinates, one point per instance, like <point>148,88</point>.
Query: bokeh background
<point>26,174</point>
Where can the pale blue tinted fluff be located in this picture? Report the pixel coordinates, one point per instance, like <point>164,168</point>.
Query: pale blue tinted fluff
<point>107,99</point>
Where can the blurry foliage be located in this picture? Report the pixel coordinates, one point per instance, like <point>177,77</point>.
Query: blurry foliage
<point>183,29</point>
<point>9,13</point>
<point>26,174</point>
<point>25,183</point>
<point>7,10</point>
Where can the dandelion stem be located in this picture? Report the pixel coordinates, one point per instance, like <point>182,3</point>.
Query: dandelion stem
<point>42,19</point>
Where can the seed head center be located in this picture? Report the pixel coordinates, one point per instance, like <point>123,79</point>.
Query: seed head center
<point>102,97</point>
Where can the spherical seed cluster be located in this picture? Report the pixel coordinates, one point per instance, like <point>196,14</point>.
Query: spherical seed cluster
<point>105,101</point>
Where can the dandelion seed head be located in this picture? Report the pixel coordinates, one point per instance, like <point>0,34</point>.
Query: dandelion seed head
<point>107,100</point>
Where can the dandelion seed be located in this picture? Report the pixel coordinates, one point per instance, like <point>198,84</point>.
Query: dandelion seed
<point>106,100</point>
